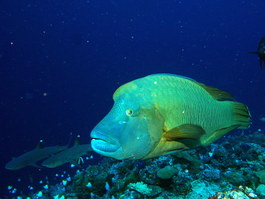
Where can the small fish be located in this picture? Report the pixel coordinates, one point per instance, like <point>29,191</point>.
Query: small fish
<point>67,156</point>
<point>261,52</point>
<point>163,113</point>
<point>32,157</point>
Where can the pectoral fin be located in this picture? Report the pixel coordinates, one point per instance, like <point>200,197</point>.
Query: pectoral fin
<point>187,134</point>
<point>185,131</point>
<point>35,165</point>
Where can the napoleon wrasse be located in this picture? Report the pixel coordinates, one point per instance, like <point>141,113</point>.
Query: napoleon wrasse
<point>164,113</point>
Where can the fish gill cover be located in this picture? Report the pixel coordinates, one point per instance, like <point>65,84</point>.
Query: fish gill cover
<point>61,61</point>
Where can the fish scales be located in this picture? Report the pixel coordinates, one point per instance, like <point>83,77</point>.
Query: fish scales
<point>179,98</point>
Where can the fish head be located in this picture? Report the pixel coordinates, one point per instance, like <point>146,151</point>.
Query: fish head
<point>131,129</point>
<point>13,165</point>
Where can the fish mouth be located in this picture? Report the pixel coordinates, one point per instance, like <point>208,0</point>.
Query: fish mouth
<point>103,144</point>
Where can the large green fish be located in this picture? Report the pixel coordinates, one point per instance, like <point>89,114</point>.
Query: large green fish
<point>163,113</point>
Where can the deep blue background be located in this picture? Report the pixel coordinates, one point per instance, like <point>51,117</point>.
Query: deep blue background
<point>79,52</point>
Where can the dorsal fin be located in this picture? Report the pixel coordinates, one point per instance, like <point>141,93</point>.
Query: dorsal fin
<point>256,52</point>
<point>40,145</point>
<point>77,140</point>
<point>216,93</point>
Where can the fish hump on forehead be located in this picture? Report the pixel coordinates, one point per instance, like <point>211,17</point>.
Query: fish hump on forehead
<point>122,90</point>
<point>214,92</point>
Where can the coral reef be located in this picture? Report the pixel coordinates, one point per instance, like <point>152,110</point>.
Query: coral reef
<point>234,167</point>
<point>240,193</point>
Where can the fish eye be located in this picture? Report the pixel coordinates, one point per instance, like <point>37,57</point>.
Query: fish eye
<point>129,112</point>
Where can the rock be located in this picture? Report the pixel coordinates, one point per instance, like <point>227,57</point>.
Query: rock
<point>261,189</point>
<point>166,172</point>
<point>202,189</point>
<point>261,176</point>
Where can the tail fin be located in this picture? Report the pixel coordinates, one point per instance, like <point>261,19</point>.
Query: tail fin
<point>241,115</point>
<point>241,119</point>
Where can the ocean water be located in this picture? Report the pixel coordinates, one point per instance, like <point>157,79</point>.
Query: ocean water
<point>61,61</point>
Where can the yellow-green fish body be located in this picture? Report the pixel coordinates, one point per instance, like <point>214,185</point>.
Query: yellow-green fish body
<point>163,113</point>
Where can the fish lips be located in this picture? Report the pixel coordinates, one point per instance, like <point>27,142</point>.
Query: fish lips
<point>103,144</point>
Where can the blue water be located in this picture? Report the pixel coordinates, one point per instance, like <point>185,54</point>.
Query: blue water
<point>61,61</point>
